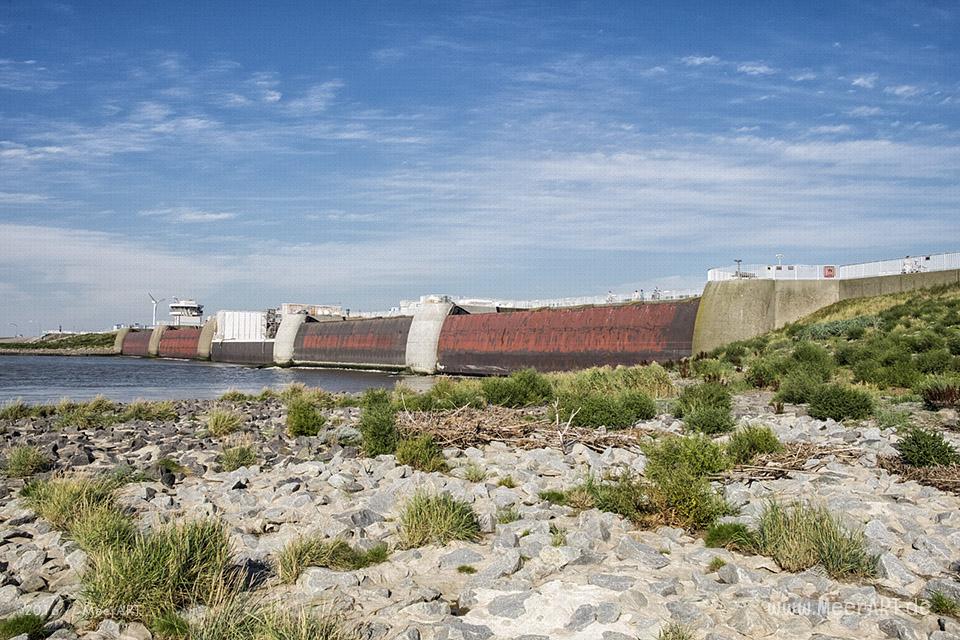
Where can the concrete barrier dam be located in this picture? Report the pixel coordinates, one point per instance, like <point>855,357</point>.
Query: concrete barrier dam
<point>442,337</point>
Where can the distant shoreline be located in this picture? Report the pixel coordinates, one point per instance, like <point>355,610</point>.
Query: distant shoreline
<point>101,351</point>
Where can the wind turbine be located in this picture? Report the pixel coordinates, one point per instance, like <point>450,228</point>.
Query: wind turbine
<point>155,303</point>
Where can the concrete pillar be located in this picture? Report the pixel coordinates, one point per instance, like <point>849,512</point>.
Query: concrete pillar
<point>206,338</point>
<point>153,348</point>
<point>424,336</point>
<point>118,340</point>
<point>286,338</point>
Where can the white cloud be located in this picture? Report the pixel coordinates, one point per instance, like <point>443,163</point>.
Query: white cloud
<point>755,69</point>
<point>186,214</point>
<point>317,98</point>
<point>653,71</point>
<point>803,76</point>
<point>696,61</point>
<point>836,128</point>
<point>8,197</point>
<point>866,81</point>
<point>903,90</point>
<point>864,112</point>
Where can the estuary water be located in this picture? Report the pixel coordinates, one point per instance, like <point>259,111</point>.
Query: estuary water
<point>40,379</point>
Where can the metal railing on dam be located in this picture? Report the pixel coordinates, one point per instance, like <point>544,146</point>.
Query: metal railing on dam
<point>897,266</point>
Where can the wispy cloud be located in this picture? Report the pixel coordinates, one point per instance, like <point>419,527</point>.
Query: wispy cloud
<point>835,128</point>
<point>697,61</point>
<point>316,99</point>
<point>8,197</point>
<point>26,75</point>
<point>903,90</point>
<point>867,81</point>
<point>803,76</point>
<point>864,111</point>
<point>186,214</point>
<point>756,69</point>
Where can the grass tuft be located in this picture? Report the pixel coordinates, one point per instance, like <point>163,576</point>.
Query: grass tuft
<point>943,605</point>
<point>799,536</point>
<point>421,453</point>
<point>716,564</point>
<point>29,624</point>
<point>437,519</point>
<point>521,388</point>
<point>221,422</point>
<point>314,551</point>
<point>159,572</point>
<point>303,417</point>
<point>378,423</point>
<point>237,456</point>
<point>466,569</point>
<point>675,631</point>
<point>748,442</point>
<point>506,515</point>
<point>473,472</point>
<point>25,461</point>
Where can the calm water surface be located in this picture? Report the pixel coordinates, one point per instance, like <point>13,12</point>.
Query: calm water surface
<point>49,378</point>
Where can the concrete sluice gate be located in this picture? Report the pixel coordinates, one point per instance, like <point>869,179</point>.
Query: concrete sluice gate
<point>565,339</point>
<point>373,343</point>
<point>242,352</point>
<point>179,342</point>
<point>137,343</point>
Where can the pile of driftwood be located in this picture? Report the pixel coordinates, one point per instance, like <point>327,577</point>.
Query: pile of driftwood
<point>795,456</point>
<point>943,478</point>
<point>519,428</point>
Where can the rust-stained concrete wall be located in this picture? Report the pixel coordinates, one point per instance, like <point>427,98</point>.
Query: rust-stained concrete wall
<point>179,342</point>
<point>366,343</point>
<point>564,339</point>
<point>137,343</point>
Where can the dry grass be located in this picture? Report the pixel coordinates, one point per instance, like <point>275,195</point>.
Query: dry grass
<point>313,551</point>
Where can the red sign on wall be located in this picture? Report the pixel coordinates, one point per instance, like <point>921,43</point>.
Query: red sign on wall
<point>829,272</point>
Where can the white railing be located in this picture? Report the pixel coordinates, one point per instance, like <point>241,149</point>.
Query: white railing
<point>908,264</point>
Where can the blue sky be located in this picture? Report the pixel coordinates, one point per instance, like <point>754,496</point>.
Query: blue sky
<point>360,153</point>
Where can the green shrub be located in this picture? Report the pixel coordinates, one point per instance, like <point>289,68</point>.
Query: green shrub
<point>678,468</point>
<point>936,361</point>
<point>711,369</point>
<point>797,387</point>
<point>716,564</point>
<point>729,535</point>
<point>221,422</point>
<point>940,392</point>
<point>421,453</point>
<point>506,481</point>
<point>840,402</point>
<point>765,372</point>
<point>25,623</point>
<point>813,358</point>
<point>437,519</point>
<point>595,409</point>
<point>748,442</point>
<point>522,388</point>
<point>25,461</point>
<point>161,571</point>
<point>709,420</point>
<point>800,536</point>
<point>445,394</point>
<point>303,418</point>
<point>235,457</point>
<point>378,429</point>
<point>312,551</point>
<point>927,448</point>
<point>707,394</point>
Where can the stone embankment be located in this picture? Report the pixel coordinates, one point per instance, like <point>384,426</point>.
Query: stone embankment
<point>546,571</point>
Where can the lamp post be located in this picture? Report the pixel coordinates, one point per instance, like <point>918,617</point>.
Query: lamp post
<point>738,261</point>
